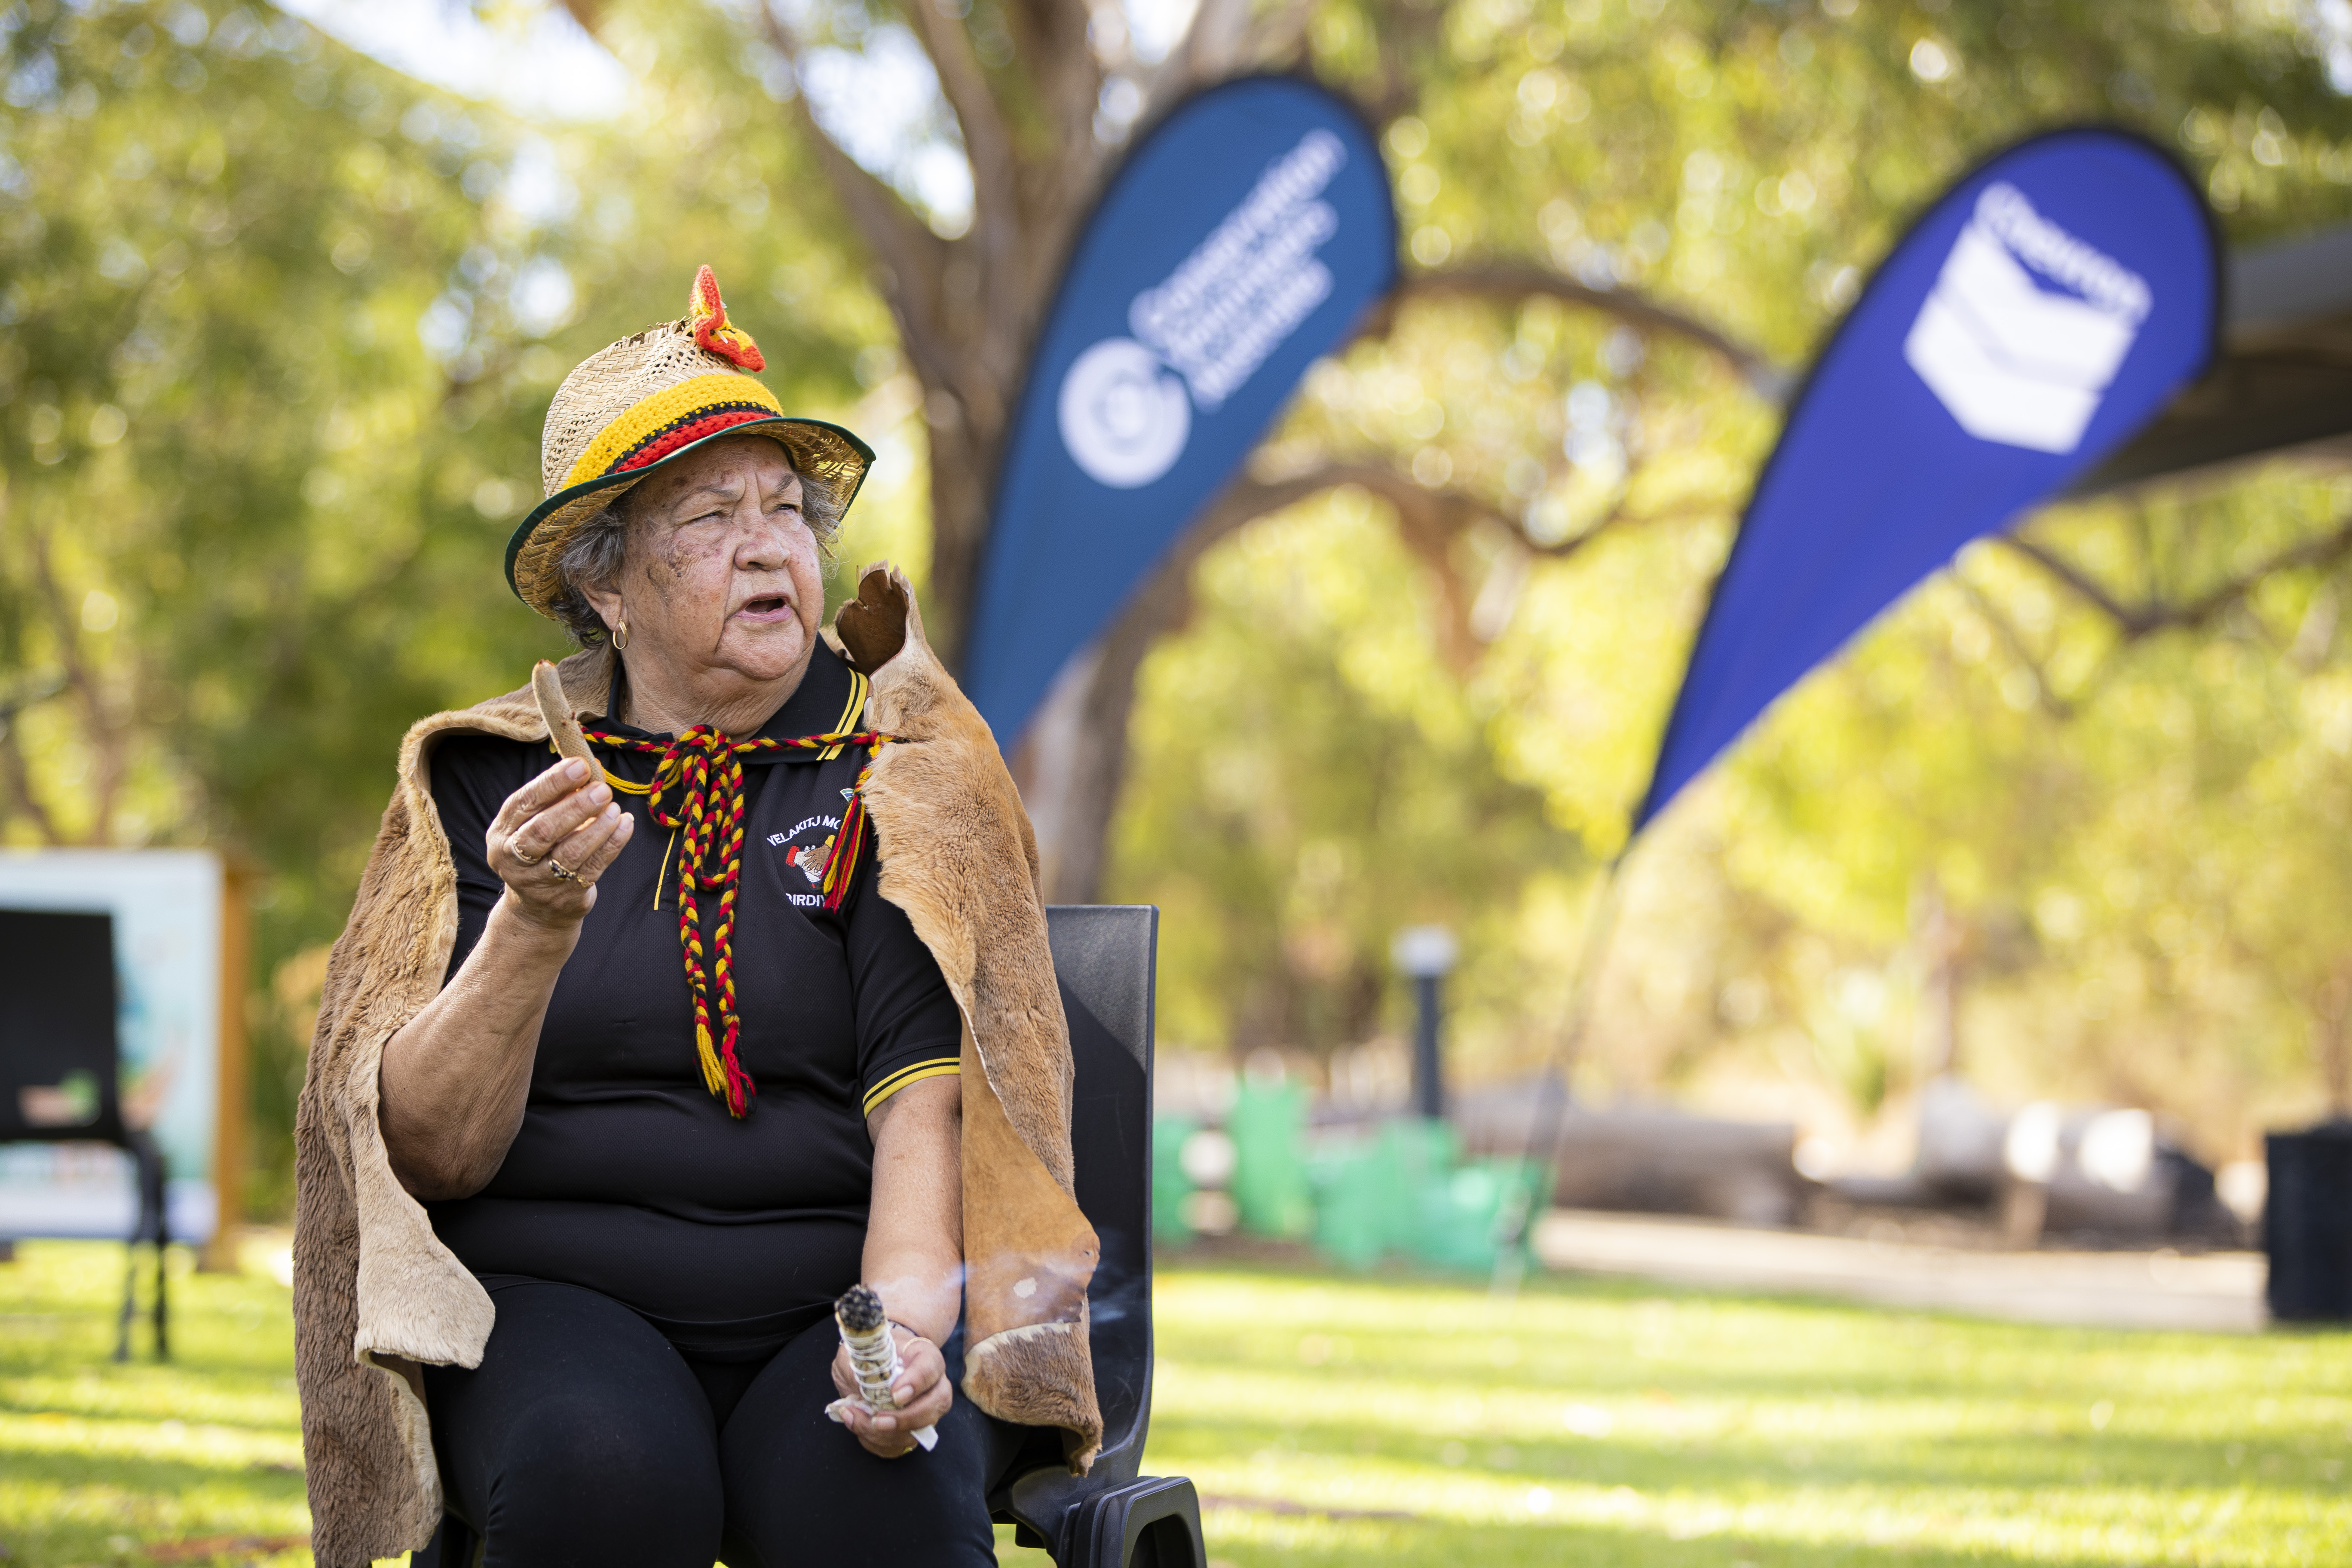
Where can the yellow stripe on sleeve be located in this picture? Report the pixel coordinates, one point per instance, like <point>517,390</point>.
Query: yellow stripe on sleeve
<point>939,1066</point>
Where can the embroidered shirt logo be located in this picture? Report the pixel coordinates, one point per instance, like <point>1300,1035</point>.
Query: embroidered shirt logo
<point>810,858</point>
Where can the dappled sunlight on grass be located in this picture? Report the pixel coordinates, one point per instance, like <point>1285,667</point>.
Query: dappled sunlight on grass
<point>1600,1424</point>
<point>1331,1421</point>
<point>101,1462</point>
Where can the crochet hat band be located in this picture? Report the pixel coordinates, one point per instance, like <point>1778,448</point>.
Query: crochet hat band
<point>638,405</point>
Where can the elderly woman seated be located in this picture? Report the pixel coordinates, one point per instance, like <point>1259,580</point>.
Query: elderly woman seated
<point>628,1066</point>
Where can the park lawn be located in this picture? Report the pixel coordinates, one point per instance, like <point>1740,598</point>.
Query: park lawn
<point>100,1461</point>
<point>1606,1423</point>
<point>1393,1422</point>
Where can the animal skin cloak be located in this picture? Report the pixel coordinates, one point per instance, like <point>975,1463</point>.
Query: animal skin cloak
<point>376,1293</point>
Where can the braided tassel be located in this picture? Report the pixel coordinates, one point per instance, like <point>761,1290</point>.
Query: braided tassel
<point>841,866</point>
<point>713,1078</point>
<point>740,1088</point>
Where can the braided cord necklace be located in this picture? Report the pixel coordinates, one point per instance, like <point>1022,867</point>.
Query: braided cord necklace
<point>705,766</point>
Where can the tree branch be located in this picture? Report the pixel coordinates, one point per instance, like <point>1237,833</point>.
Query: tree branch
<point>18,778</point>
<point>1430,518</point>
<point>16,774</point>
<point>1513,280</point>
<point>101,728</point>
<point>898,239</point>
<point>1057,55</point>
<point>2057,707</point>
<point>1224,39</point>
<point>988,143</point>
<point>2147,619</point>
<point>2080,583</point>
<point>1249,498</point>
<point>905,245</point>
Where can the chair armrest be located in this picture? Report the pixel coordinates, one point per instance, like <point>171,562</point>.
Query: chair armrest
<point>1096,1521</point>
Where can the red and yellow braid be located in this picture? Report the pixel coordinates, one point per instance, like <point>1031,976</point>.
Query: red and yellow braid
<point>710,859</point>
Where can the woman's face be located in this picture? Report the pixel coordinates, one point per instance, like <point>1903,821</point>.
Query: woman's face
<point>721,578</point>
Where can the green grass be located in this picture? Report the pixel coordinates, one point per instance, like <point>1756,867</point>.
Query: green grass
<point>1401,1422</point>
<point>97,1460</point>
<point>1601,1424</point>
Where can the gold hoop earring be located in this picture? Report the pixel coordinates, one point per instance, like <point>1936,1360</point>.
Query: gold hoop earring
<point>621,636</point>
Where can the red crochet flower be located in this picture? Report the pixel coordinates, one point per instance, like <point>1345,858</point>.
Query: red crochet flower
<point>709,313</point>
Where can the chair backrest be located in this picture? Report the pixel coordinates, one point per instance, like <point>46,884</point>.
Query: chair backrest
<point>60,1060</point>
<point>1105,956</point>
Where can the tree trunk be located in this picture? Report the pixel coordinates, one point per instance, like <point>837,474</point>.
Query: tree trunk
<point>1939,989</point>
<point>2335,1032</point>
<point>1073,762</point>
<point>963,473</point>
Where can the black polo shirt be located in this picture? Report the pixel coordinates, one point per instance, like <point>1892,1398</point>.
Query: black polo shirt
<point>628,1176</point>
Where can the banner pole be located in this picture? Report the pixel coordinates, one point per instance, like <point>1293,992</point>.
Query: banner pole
<point>1552,1094</point>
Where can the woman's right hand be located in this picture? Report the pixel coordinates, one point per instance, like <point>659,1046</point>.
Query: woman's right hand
<point>562,821</point>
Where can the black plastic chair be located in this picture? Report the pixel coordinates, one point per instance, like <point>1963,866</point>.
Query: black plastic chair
<point>1107,957</point>
<point>60,1070</point>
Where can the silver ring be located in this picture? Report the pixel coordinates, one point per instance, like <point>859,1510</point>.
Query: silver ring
<point>562,873</point>
<point>515,850</point>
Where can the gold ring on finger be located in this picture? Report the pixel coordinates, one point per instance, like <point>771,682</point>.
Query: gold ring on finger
<point>562,873</point>
<point>515,849</point>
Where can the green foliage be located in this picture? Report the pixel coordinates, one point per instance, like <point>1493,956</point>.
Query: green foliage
<point>2150,903</point>
<point>277,327</point>
<point>280,329</point>
<point>1308,777</point>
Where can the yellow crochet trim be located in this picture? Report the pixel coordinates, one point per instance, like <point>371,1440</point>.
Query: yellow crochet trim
<point>656,411</point>
<point>940,1066</point>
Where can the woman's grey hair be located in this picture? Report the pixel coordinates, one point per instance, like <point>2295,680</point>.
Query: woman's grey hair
<point>594,555</point>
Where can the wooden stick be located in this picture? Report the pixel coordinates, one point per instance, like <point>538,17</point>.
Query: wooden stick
<point>547,686</point>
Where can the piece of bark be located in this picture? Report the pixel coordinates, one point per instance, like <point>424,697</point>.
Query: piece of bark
<point>547,686</point>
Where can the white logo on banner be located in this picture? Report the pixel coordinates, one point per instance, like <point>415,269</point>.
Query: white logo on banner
<point>2014,362</point>
<point>1124,417</point>
<point>1242,292</point>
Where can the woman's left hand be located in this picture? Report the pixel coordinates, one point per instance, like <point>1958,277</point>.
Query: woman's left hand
<point>921,1388</point>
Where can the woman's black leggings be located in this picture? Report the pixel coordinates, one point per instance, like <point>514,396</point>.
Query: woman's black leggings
<point>584,1439</point>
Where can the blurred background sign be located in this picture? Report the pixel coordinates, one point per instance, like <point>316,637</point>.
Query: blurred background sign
<point>175,935</point>
<point>2051,305</point>
<point>1244,239</point>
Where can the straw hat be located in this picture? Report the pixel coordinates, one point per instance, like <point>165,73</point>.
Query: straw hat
<point>634,408</point>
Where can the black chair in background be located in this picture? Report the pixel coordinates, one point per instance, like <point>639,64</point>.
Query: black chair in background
<point>1106,958</point>
<point>61,1069</point>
